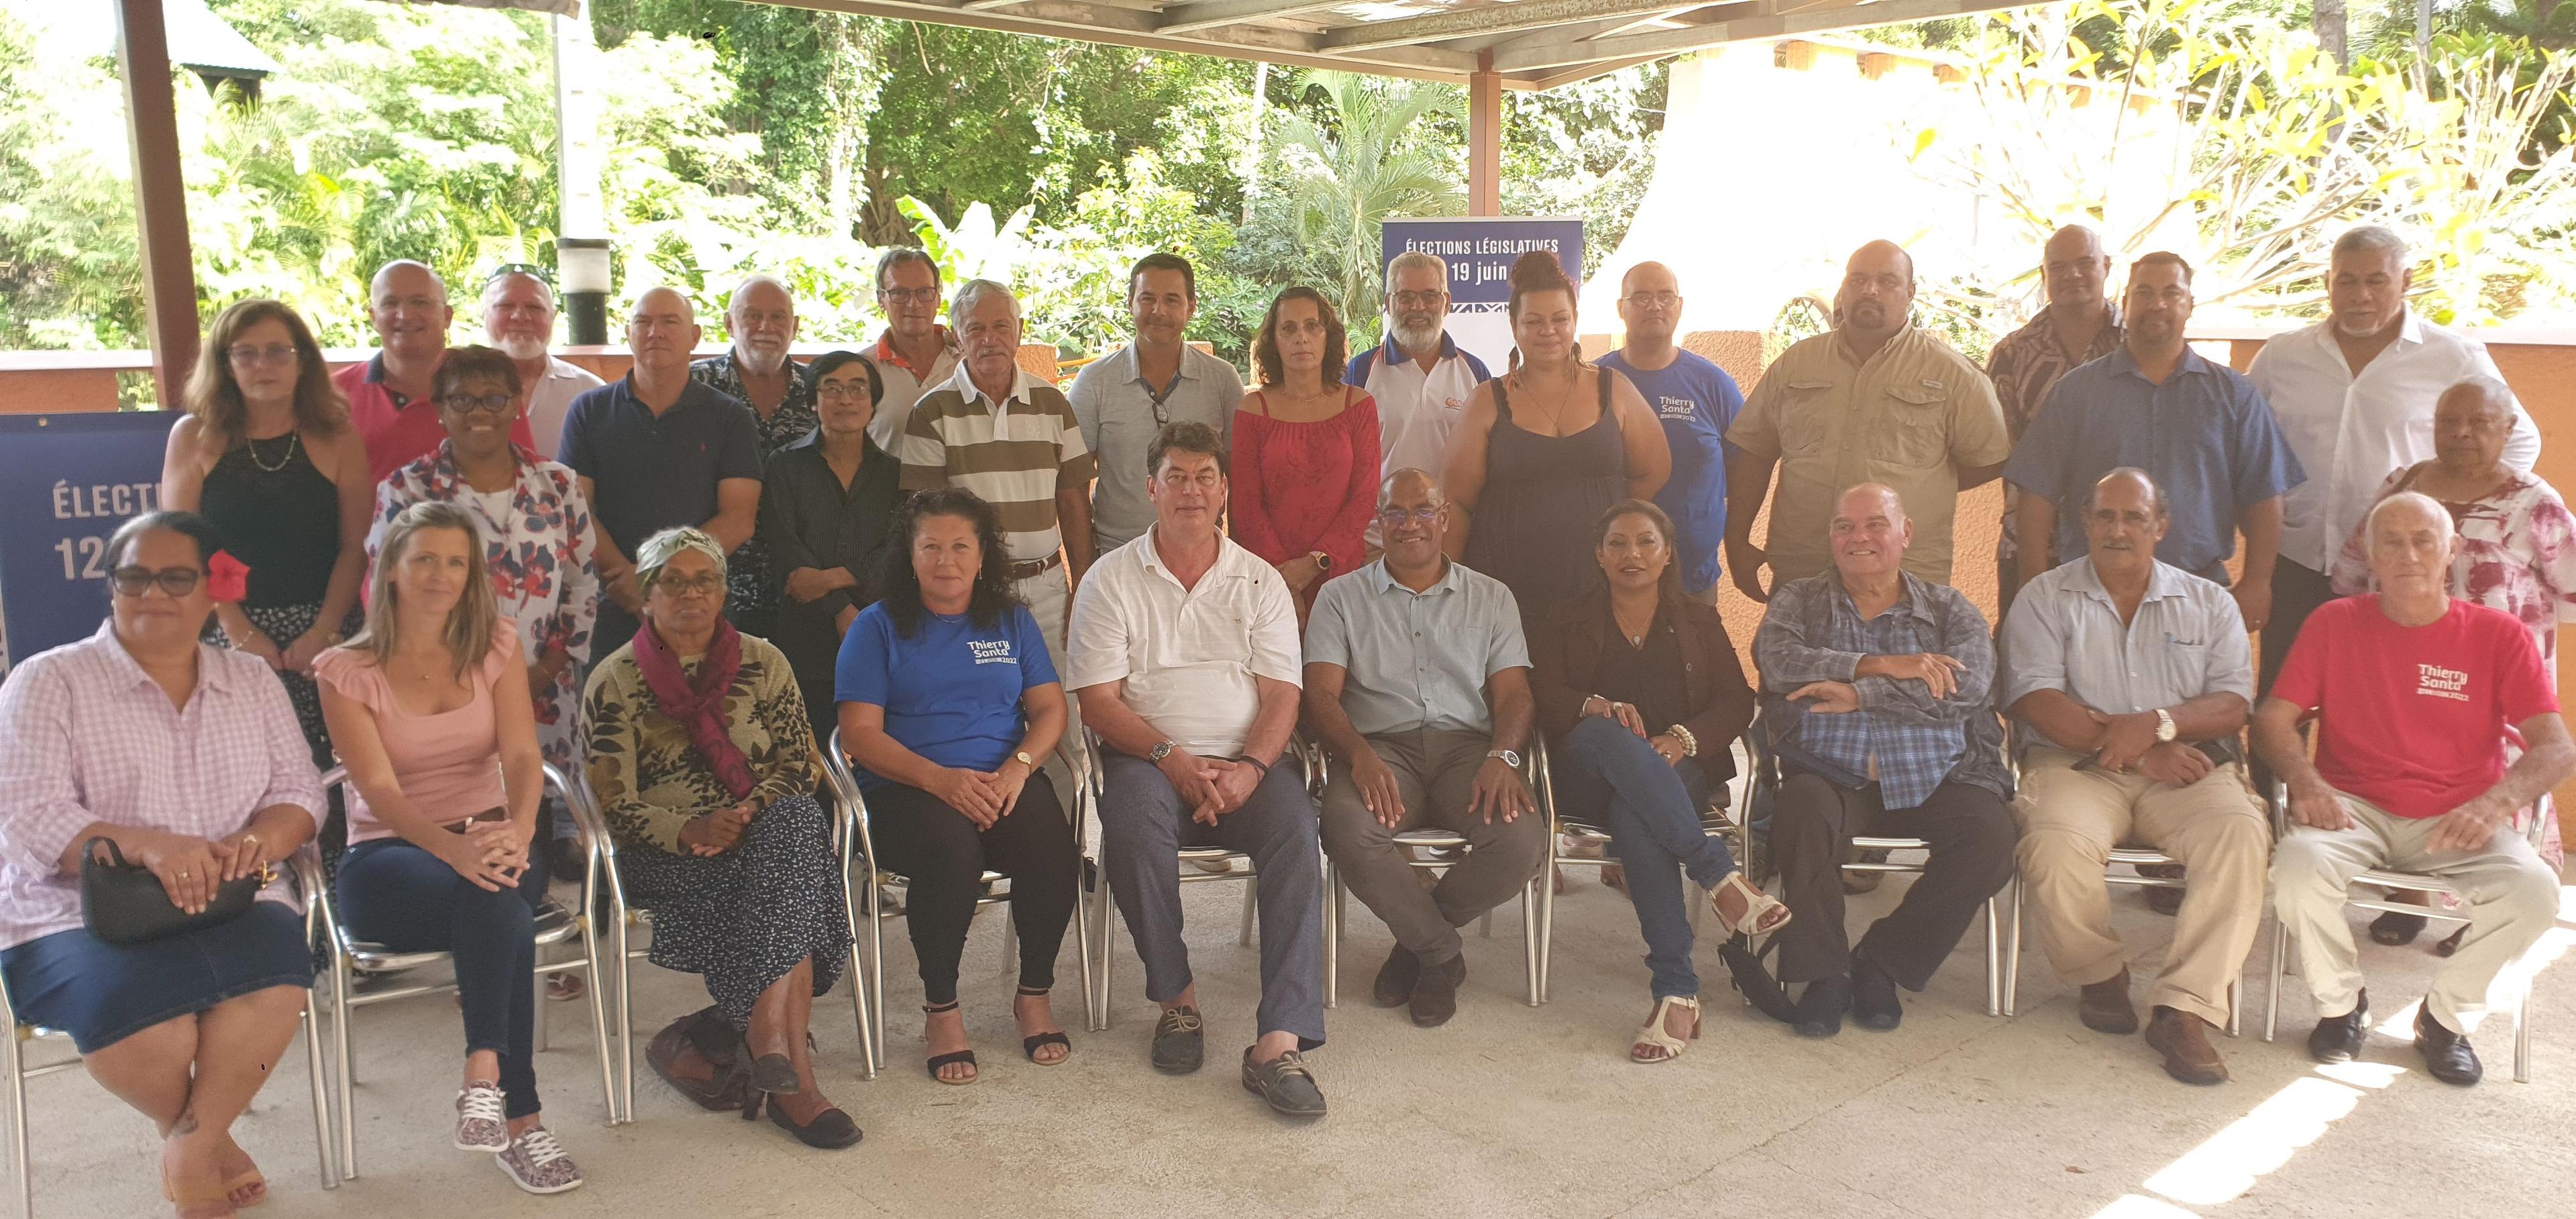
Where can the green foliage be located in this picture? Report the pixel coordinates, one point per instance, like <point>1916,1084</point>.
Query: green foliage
<point>1361,160</point>
<point>67,237</point>
<point>1585,150</point>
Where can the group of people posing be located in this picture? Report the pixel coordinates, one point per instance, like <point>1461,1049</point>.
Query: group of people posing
<point>685,589</point>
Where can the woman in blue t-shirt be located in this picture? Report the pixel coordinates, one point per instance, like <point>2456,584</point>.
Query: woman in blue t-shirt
<point>949,702</point>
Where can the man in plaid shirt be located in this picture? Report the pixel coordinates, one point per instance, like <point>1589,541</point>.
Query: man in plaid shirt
<point>1877,705</point>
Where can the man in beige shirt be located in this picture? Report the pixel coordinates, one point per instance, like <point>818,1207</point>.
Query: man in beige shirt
<point>1876,400</point>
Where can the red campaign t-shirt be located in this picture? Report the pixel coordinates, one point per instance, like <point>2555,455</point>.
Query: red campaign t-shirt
<point>2413,718</point>
<point>397,432</point>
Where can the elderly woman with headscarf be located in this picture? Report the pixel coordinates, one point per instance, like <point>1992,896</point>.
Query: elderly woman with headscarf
<point>2516,549</point>
<point>704,766</point>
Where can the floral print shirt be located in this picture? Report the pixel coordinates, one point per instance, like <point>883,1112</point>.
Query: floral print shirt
<point>543,568</point>
<point>748,586</point>
<point>649,779</point>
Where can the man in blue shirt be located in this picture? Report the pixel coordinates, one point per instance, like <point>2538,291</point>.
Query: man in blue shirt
<point>2200,430</point>
<point>1695,400</point>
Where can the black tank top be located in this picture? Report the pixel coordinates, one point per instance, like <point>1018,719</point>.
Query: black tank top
<point>278,514</point>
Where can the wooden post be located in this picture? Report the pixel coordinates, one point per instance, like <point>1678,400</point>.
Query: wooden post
<point>160,196</point>
<point>1485,138</point>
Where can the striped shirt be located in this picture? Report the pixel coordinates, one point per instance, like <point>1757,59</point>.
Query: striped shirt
<point>1017,455</point>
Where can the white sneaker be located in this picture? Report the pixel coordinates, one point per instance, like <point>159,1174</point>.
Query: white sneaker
<point>538,1165</point>
<point>480,1121</point>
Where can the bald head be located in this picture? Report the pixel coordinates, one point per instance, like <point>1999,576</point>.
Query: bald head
<point>407,302</point>
<point>2075,268</point>
<point>1412,482</point>
<point>1869,533</point>
<point>662,333</point>
<point>1650,304</point>
<point>1412,525</point>
<point>1877,294</point>
<point>761,318</point>
<point>1869,499</point>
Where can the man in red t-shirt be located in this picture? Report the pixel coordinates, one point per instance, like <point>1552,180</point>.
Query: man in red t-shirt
<point>2413,695</point>
<point>389,394</point>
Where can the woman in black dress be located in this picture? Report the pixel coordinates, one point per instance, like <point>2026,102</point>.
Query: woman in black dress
<point>1544,449</point>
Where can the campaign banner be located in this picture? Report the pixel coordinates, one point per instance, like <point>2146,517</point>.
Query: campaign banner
<point>66,483</point>
<point>1479,251</point>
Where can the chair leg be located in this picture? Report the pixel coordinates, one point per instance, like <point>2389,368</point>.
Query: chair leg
<point>310,1025</point>
<point>2522,1036</point>
<point>545,1014</point>
<point>1332,936</point>
<point>2272,995</point>
<point>2012,951</point>
<point>1545,886</point>
<point>620,965</point>
<point>1010,943</point>
<point>1103,915</point>
<point>592,981</point>
<point>1994,957</point>
<point>12,1060</point>
<point>2236,1007</point>
<point>1485,926</point>
<point>1082,948</point>
<point>1251,892</point>
<point>1529,938</point>
<point>346,1109</point>
<point>876,971</point>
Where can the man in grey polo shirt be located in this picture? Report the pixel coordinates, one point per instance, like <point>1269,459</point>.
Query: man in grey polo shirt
<point>1417,678</point>
<point>1125,398</point>
<point>2129,679</point>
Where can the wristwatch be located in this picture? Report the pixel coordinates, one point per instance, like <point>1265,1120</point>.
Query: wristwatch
<point>1159,752</point>
<point>1510,757</point>
<point>1022,757</point>
<point>2166,729</point>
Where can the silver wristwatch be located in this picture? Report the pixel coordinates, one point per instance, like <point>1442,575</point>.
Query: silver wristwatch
<point>2166,729</point>
<point>1160,752</point>
<point>1510,757</point>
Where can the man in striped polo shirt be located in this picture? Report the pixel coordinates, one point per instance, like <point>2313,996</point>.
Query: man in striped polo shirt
<point>1012,439</point>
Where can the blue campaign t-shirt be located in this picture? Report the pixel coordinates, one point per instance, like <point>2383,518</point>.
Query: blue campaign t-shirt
<point>1696,401</point>
<point>951,693</point>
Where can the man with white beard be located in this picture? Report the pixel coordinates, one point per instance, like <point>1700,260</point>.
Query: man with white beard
<point>1420,378</point>
<point>760,318</point>
<point>519,318</point>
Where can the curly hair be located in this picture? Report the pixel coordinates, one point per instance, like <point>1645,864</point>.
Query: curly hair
<point>899,587</point>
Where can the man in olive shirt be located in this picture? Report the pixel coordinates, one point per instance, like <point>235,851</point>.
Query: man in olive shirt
<point>1876,400</point>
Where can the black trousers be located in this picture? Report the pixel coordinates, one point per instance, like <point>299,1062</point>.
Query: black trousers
<point>945,857</point>
<point>1972,835</point>
<point>2297,591</point>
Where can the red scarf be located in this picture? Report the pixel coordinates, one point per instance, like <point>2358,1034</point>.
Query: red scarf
<point>698,702</point>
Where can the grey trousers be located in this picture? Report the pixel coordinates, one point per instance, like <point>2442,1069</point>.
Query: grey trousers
<point>1435,771</point>
<point>1144,825</point>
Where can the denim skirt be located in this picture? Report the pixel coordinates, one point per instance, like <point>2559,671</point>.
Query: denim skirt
<point>101,994</point>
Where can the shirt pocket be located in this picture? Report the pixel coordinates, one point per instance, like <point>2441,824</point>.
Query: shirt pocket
<point>1914,434</point>
<point>1807,417</point>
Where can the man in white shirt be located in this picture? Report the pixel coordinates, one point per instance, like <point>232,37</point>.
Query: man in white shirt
<point>519,317</point>
<point>2354,395</point>
<point>915,354</point>
<point>1420,378</point>
<point>1183,650</point>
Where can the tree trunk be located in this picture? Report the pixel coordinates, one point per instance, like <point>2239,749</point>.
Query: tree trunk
<point>2328,21</point>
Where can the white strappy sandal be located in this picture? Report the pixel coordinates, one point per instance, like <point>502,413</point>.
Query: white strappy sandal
<point>1654,1035</point>
<point>1763,913</point>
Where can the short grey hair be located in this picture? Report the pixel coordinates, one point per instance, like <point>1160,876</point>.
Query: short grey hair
<point>2371,239</point>
<point>898,256</point>
<point>2489,390</point>
<point>496,281</point>
<point>2413,499</point>
<point>1418,260</point>
<point>973,291</point>
<point>764,277</point>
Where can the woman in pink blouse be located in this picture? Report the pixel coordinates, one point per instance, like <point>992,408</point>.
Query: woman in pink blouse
<point>429,708</point>
<point>190,760</point>
<point>2516,550</point>
<point>1305,449</point>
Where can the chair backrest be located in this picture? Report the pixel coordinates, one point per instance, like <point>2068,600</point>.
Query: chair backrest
<point>853,803</point>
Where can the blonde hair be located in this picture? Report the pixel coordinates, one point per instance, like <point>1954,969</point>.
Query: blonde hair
<point>470,625</point>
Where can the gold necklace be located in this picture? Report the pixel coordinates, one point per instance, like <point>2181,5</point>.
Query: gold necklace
<point>253,445</point>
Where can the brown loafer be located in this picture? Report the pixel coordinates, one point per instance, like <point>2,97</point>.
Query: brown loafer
<point>2106,1008</point>
<point>2183,1039</point>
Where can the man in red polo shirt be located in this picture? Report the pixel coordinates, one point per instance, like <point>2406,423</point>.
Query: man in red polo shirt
<point>389,394</point>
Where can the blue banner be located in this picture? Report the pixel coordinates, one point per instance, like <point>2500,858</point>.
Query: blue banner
<point>1479,251</point>
<point>66,483</point>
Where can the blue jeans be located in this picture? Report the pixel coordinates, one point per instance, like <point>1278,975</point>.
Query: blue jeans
<point>1609,775</point>
<point>396,894</point>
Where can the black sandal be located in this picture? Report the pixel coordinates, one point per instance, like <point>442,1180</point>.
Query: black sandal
<point>1029,1045</point>
<point>941,1060</point>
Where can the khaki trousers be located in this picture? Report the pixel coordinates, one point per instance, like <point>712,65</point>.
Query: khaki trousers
<point>2071,819</point>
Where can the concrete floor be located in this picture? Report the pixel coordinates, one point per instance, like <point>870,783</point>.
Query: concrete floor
<point>1509,1110</point>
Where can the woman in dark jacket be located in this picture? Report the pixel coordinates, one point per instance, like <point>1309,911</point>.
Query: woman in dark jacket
<point>825,503</point>
<point>1640,694</point>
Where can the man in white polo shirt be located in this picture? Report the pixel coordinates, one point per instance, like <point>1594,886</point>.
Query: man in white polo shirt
<point>519,317</point>
<point>1184,653</point>
<point>1420,378</point>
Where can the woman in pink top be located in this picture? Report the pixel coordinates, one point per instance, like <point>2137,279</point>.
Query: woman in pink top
<point>429,708</point>
<point>1305,450</point>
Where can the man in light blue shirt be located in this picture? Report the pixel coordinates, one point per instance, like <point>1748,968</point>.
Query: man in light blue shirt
<point>1123,399</point>
<point>1417,679</point>
<point>1695,401</point>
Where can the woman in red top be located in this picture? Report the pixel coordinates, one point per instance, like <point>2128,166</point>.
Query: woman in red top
<point>1305,449</point>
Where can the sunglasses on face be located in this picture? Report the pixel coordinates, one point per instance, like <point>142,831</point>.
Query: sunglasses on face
<point>135,581</point>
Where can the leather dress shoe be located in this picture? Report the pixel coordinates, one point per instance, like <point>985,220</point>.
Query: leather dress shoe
<point>2105,1007</point>
<point>1395,979</point>
<point>2447,1056</point>
<point>1874,1003</point>
<point>2338,1038</point>
<point>2183,1039</point>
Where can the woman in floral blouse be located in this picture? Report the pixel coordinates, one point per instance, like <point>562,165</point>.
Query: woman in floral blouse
<point>2516,550</point>
<point>536,532</point>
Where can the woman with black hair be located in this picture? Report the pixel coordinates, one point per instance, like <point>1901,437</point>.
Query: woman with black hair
<point>824,504</point>
<point>948,703</point>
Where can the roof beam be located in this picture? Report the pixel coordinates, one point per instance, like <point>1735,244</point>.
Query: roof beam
<point>1531,61</point>
<point>1483,19</point>
<point>1117,25</point>
<point>1209,14</point>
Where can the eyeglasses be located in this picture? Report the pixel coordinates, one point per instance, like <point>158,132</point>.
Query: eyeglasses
<point>274,353</point>
<point>135,581</point>
<point>492,404</point>
<point>916,296</point>
<point>1417,300</point>
<point>1656,300</point>
<point>833,391</point>
<point>709,585</point>
<point>1392,517</point>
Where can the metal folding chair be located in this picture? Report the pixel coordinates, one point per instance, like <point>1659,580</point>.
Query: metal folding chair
<point>305,868</point>
<point>2390,878</point>
<point>2137,859</point>
<point>859,851</point>
<point>554,925</point>
<point>1337,898</point>
<point>1095,881</point>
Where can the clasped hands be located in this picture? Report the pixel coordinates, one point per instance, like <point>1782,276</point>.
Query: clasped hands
<point>1212,787</point>
<point>492,854</point>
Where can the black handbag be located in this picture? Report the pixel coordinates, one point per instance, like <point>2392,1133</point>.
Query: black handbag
<point>124,904</point>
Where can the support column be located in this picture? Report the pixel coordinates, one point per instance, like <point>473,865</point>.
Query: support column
<point>160,197</point>
<point>1485,138</point>
<point>581,245</point>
